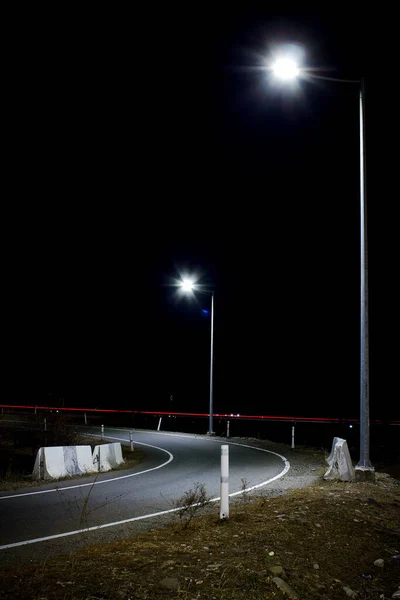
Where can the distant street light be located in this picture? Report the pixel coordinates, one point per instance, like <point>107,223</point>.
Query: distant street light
<point>287,69</point>
<point>187,286</point>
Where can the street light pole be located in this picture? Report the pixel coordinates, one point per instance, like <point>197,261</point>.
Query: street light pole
<point>364,469</point>
<point>210,422</point>
<point>285,70</point>
<point>187,286</point>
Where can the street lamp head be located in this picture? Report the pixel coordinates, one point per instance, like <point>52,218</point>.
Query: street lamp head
<point>286,69</point>
<point>187,285</point>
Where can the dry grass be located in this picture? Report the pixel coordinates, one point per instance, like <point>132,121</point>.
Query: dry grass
<point>341,527</point>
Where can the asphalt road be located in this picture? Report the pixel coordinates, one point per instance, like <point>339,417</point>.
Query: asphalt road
<point>53,513</point>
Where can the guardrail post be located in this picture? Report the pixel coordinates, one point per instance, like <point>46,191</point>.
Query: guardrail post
<point>85,418</point>
<point>159,424</point>
<point>102,432</point>
<point>45,423</point>
<point>293,435</point>
<point>131,439</point>
<point>224,501</point>
<point>227,428</point>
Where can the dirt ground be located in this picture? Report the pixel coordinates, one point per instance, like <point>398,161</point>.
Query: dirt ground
<point>321,540</point>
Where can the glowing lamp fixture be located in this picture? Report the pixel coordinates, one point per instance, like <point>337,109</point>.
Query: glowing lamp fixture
<point>285,68</point>
<point>187,285</point>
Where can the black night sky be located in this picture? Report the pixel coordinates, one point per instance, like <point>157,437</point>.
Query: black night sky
<point>145,145</point>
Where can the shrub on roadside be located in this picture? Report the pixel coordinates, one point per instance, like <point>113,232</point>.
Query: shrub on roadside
<point>191,503</point>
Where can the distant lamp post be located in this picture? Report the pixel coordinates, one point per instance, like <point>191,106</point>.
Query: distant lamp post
<point>187,286</point>
<point>287,69</point>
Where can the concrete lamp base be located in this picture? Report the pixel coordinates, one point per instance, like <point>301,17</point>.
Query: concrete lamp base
<point>365,474</point>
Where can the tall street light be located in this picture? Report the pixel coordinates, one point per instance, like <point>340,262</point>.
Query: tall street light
<point>286,69</point>
<point>187,286</point>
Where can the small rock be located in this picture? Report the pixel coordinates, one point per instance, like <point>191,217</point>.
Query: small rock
<point>300,520</point>
<point>316,566</point>
<point>277,570</point>
<point>349,592</point>
<point>167,563</point>
<point>318,525</point>
<point>286,589</point>
<point>214,567</point>
<point>271,553</point>
<point>379,563</point>
<point>170,582</point>
<point>372,501</point>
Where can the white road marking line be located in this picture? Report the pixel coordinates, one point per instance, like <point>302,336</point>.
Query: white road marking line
<point>158,514</point>
<point>184,435</point>
<point>213,439</point>
<point>72,487</point>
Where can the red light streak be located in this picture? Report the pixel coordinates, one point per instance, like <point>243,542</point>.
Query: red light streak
<point>189,414</point>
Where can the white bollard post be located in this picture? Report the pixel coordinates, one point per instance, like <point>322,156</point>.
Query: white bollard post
<point>131,439</point>
<point>102,432</point>
<point>85,418</point>
<point>293,436</point>
<point>227,429</point>
<point>45,424</point>
<point>159,424</point>
<point>224,502</point>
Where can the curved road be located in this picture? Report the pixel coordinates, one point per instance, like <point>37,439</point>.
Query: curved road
<point>173,464</point>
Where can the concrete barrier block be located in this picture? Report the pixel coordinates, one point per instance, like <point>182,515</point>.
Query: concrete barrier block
<point>62,461</point>
<point>107,456</point>
<point>339,461</point>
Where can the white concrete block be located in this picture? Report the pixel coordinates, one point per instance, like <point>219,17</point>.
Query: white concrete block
<point>107,456</point>
<point>55,462</point>
<point>339,461</point>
